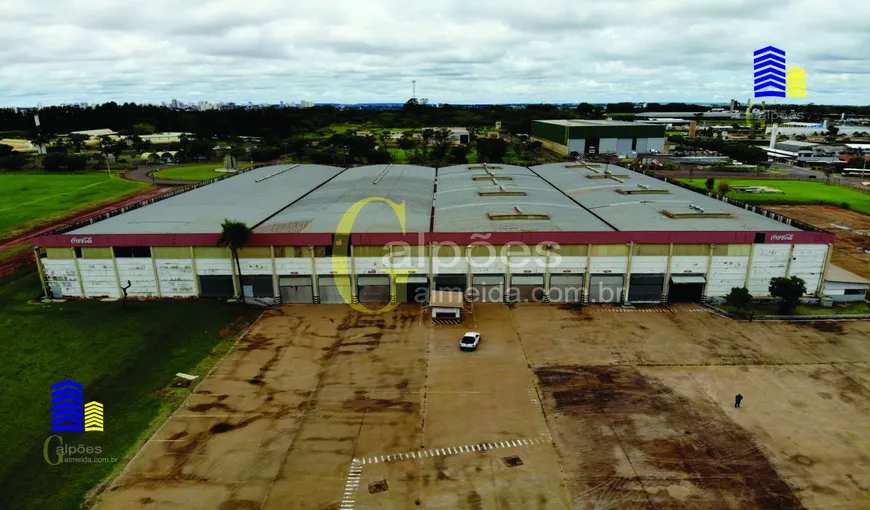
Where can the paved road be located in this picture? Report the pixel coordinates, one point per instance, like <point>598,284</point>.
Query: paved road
<point>143,174</point>
<point>803,173</point>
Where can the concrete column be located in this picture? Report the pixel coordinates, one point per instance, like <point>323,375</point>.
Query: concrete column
<point>195,275</point>
<point>315,289</point>
<point>353,286</point>
<point>749,265</point>
<point>393,292</point>
<point>627,281</point>
<point>547,276</point>
<point>821,288</point>
<point>276,289</point>
<point>431,268</point>
<point>118,274</point>
<point>707,274</point>
<point>788,264</point>
<point>507,278</point>
<point>236,285</point>
<point>469,273</point>
<point>667,285</point>
<point>588,277</point>
<point>41,272</point>
<point>78,272</point>
<point>156,276</point>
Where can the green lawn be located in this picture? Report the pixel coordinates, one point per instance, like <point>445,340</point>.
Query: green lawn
<point>797,193</point>
<point>199,172</point>
<point>28,198</point>
<point>125,359</point>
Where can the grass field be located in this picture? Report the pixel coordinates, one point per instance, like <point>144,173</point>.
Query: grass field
<point>27,198</point>
<point>124,359</point>
<point>797,193</point>
<point>199,172</point>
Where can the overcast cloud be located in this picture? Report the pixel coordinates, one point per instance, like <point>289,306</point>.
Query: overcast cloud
<point>463,51</point>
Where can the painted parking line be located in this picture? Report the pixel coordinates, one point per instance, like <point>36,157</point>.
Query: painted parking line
<point>456,450</point>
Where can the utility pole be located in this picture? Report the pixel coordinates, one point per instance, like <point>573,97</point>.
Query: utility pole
<point>414,89</point>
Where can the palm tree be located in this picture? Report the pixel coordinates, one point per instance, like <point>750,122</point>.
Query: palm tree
<point>235,235</point>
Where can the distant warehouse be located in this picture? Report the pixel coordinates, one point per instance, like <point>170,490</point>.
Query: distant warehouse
<point>599,136</point>
<point>561,232</point>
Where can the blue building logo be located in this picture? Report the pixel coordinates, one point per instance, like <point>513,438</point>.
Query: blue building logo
<point>771,77</point>
<point>69,413</point>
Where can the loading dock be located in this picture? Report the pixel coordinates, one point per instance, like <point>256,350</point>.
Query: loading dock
<point>687,288</point>
<point>646,288</point>
<point>451,282</point>
<point>328,287</point>
<point>296,289</point>
<point>566,288</point>
<point>373,289</point>
<point>527,288</point>
<point>216,286</point>
<point>415,289</point>
<point>606,288</point>
<point>488,289</point>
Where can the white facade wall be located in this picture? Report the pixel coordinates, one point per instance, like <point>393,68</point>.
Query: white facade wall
<point>289,266</point>
<point>364,265</point>
<point>680,265</point>
<point>531,264</point>
<point>649,265</point>
<point>61,277</point>
<point>98,277</point>
<point>567,265</point>
<point>769,261</point>
<point>214,267</point>
<point>450,265</point>
<point>615,265</point>
<point>725,273</point>
<point>140,273</point>
<point>420,265</point>
<point>808,263</point>
<point>486,265</point>
<point>176,277</point>
<point>255,266</point>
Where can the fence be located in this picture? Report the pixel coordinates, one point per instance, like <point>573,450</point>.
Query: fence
<point>115,212</point>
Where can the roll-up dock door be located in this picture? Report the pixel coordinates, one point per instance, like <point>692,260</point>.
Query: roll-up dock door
<point>606,288</point>
<point>686,288</point>
<point>296,289</point>
<point>373,289</point>
<point>566,288</point>
<point>527,288</point>
<point>329,293</point>
<point>646,288</point>
<point>488,289</point>
<point>415,289</point>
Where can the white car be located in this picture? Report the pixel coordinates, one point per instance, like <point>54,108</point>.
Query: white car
<point>470,341</point>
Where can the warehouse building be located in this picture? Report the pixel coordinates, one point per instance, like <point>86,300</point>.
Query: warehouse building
<point>561,232</point>
<point>599,136</point>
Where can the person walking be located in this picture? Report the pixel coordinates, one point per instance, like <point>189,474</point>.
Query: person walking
<point>737,400</point>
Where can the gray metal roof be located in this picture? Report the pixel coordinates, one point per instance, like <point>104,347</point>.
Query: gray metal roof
<point>460,208</point>
<point>587,122</point>
<point>201,211</point>
<point>644,211</point>
<point>323,209</point>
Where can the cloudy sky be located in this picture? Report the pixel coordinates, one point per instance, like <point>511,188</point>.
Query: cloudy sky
<point>459,51</point>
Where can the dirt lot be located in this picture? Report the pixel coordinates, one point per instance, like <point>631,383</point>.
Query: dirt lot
<point>849,247</point>
<point>326,408</point>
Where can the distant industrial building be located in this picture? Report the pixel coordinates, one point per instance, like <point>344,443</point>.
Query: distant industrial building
<point>691,115</point>
<point>599,136</point>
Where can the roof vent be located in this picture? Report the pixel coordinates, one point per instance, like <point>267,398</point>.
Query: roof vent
<point>382,174</point>
<point>261,179</point>
<point>695,207</point>
<point>642,186</point>
<point>518,210</point>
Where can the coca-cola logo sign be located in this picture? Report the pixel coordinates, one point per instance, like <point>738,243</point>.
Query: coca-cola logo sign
<point>82,240</point>
<point>782,237</point>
